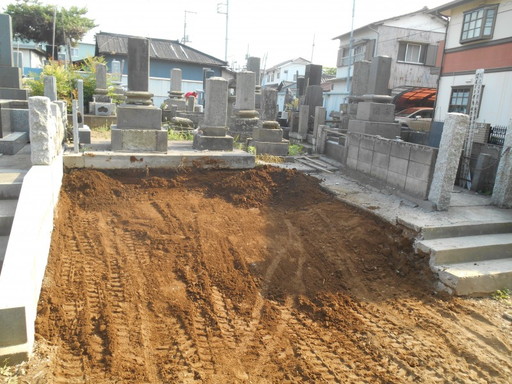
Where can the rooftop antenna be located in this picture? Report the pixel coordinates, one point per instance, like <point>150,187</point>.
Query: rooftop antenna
<point>185,39</point>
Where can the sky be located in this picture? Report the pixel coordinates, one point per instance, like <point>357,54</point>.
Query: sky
<point>274,30</point>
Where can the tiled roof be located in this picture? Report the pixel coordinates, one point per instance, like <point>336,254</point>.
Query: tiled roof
<point>171,50</point>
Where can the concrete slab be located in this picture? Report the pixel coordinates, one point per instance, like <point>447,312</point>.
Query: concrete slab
<point>467,248</point>
<point>473,278</point>
<point>179,154</point>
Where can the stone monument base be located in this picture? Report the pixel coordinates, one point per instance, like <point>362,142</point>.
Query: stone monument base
<point>271,148</point>
<point>139,117</point>
<point>102,109</point>
<point>383,129</point>
<point>13,94</point>
<point>212,143</point>
<point>84,135</point>
<point>243,127</point>
<point>139,140</point>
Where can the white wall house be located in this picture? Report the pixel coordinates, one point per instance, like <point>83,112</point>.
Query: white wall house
<point>411,41</point>
<point>479,36</point>
<point>286,74</point>
<point>285,71</point>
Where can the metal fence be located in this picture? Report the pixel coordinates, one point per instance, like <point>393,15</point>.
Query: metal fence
<point>497,135</point>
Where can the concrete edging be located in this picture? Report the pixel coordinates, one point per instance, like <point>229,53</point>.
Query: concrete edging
<point>25,261</point>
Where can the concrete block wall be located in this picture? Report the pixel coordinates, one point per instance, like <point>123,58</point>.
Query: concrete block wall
<point>25,261</point>
<point>405,166</point>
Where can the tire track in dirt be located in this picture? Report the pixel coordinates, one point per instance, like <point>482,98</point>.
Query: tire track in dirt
<point>170,283</point>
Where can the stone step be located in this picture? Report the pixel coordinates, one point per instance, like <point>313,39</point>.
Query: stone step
<point>13,142</point>
<point>473,278</point>
<point>3,248</point>
<point>10,184</point>
<point>468,229</point>
<point>467,248</point>
<point>7,210</point>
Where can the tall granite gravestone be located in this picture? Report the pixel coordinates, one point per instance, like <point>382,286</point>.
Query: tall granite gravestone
<point>246,118</point>
<point>102,103</point>
<point>268,139</point>
<point>253,65</point>
<point>313,75</point>
<point>175,93</point>
<point>10,76</point>
<point>375,112</point>
<point>212,132</point>
<point>139,123</point>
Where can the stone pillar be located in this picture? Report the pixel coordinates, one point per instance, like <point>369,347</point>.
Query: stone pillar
<point>212,133</point>
<point>269,105</point>
<point>139,123</point>
<point>320,113</point>
<point>246,117</point>
<point>10,76</point>
<point>303,122</point>
<point>448,158</point>
<point>80,91</point>
<point>50,87</point>
<point>45,137</point>
<point>502,192</point>
<point>253,65</point>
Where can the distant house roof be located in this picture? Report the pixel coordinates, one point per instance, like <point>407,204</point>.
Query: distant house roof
<point>171,50</point>
<point>376,23</point>
<point>298,60</point>
<point>450,5</point>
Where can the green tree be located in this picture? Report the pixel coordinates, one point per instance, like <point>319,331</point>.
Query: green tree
<point>329,71</point>
<point>66,77</point>
<point>32,20</point>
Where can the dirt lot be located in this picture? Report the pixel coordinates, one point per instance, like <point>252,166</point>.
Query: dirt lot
<point>246,277</point>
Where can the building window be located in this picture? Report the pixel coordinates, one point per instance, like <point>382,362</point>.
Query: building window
<point>460,99</point>
<point>74,53</point>
<point>278,75</point>
<point>478,24</point>
<point>358,54</point>
<point>412,53</point>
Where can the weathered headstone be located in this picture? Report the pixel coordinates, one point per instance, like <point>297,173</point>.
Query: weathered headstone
<point>313,75</point>
<point>175,95</point>
<point>50,87</point>
<point>102,103</point>
<point>212,133</point>
<point>374,112</point>
<point>253,65</point>
<point>269,104</point>
<point>139,126</point>
<point>380,72</point>
<point>10,76</point>
<point>245,115</point>
<point>502,192</point>
<point>447,163</point>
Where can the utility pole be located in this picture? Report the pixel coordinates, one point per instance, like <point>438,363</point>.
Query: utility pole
<point>185,39</point>
<point>313,48</point>
<point>226,12</point>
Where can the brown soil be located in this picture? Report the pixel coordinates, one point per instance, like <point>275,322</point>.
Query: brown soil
<point>252,276</point>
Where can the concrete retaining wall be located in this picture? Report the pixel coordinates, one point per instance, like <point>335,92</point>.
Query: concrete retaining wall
<point>25,260</point>
<point>30,238</point>
<point>402,165</point>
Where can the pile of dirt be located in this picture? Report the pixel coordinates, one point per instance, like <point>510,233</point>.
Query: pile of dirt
<point>252,276</point>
